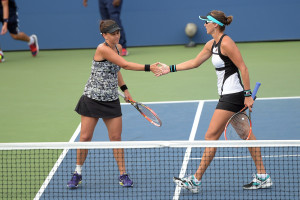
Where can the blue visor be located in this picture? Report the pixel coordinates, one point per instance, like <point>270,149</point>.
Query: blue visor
<point>212,19</point>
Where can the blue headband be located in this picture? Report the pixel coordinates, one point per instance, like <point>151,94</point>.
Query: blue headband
<point>214,20</point>
<point>210,18</point>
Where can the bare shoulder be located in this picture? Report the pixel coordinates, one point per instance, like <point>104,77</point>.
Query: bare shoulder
<point>209,44</point>
<point>228,46</point>
<point>228,42</point>
<point>101,49</point>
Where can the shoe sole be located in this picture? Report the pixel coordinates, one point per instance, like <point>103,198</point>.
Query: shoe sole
<point>125,185</point>
<point>267,185</point>
<point>74,187</point>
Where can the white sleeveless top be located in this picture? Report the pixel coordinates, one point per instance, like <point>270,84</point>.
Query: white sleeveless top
<point>229,80</point>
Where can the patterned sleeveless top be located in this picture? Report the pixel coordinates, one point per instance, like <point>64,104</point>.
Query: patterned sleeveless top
<point>102,84</point>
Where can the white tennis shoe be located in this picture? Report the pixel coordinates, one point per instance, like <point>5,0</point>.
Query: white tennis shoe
<point>258,183</point>
<point>188,183</point>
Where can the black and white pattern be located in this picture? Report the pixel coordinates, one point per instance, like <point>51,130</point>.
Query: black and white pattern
<point>103,82</point>
<point>229,80</point>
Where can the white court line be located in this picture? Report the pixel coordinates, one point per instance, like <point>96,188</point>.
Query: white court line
<point>248,157</point>
<point>56,165</point>
<point>189,149</point>
<point>212,100</point>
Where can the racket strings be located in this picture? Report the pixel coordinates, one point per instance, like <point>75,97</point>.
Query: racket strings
<point>147,112</point>
<point>240,126</point>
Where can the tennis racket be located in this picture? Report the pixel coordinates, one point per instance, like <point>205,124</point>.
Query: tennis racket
<point>147,112</point>
<point>239,126</point>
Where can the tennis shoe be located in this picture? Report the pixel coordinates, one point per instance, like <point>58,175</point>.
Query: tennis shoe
<point>75,181</point>
<point>124,52</point>
<point>1,58</point>
<point>34,47</point>
<point>188,183</point>
<point>125,181</point>
<point>258,183</point>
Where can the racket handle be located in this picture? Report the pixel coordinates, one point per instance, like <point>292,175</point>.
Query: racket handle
<point>121,94</point>
<point>255,90</point>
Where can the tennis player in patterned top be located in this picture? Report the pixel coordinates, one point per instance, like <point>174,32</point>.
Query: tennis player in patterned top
<point>234,91</point>
<point>100,98</point>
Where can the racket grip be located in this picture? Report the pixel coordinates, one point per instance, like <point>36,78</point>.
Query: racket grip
<point>121,94</point>
<point>255,90</point>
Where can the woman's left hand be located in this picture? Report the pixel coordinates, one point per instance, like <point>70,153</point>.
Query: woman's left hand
<point>249,102</point>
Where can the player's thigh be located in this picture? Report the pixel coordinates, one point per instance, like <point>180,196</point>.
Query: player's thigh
<point>114,128</point>
<point>217,124</point>
<point>88,125</point>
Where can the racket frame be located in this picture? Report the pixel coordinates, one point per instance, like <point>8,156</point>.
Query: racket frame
<point>257,85</point>
<point>136,105</point>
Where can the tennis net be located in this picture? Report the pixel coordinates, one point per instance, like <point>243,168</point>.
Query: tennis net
<point>42,170</point>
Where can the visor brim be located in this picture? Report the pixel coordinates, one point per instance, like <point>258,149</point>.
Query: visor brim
<point>203,18</point>
<point>114,29</point>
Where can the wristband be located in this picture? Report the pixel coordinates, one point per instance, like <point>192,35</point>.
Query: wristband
<point>123,87</point>
<point>173,68</point>
<point>5,20</point>
<point>147,68</point>
<point>247,93</point>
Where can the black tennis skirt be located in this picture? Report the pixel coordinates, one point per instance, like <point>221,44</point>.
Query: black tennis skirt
<point>232,102</point>
<point>98,109</point>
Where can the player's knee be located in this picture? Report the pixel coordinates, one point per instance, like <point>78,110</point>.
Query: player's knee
<point>211,136</point>
<point>115,138</point>
<point>85,138</point>
<point>14,36</point>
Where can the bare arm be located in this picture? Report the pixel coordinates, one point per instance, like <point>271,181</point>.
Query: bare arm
<point>196,62</point>
<point>105,52</point>
<point>122,82</point>
<point>5,16</point>
<point>230,49</point>
<point>193,63</point>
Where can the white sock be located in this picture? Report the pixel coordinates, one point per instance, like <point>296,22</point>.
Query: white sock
<point>31,41</point>
<point>78,169</point>
<point>262,176</point>
<point>196,180</point>
<point>1,52</point>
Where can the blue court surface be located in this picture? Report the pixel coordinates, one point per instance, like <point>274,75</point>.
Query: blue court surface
<point>272,119</point>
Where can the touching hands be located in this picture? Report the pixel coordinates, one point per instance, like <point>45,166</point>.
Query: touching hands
<point>159,69</point>
<point>165,68</point>
<point>156,69</point>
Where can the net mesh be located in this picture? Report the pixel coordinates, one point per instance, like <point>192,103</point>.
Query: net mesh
<point>42,170</point>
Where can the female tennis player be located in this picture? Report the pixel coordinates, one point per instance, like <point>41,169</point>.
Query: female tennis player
<point>228,64</point>
<point>100,98</point>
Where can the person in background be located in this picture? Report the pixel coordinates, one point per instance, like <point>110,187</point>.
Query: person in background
<point>111,9</point>
<point>100,98</point>
<point>10,22</point>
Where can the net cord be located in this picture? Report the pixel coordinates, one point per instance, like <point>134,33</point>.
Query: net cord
<point>149,144</point>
